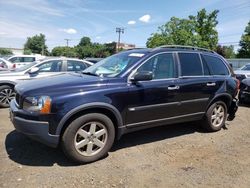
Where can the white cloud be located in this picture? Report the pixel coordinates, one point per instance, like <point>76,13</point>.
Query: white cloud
<point>69,31</point>
<point>146,18</point>
<point>131,22</point>
<point>34,5</point>
<point>98,37</point>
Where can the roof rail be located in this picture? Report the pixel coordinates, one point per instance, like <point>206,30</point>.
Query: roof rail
<point>186,47</point>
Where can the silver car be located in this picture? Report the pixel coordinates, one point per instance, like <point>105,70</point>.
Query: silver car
<point>6,65</point>
<point>49,67</point>
<point>243,72</point>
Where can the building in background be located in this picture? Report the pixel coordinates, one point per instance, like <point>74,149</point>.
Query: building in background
<point>125,46</point>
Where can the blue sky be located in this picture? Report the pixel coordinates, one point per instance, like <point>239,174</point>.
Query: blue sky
<point>98,19</point>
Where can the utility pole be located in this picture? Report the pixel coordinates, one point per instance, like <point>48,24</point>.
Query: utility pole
<point>67,42</point>
<point>119,30</point>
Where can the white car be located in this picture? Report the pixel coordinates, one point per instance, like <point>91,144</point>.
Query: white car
<point>21,60</point>
<point>6,65</point>
<point>46,68</point>
<point>243,72</point>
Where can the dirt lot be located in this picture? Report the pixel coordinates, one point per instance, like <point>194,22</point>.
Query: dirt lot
<point>171,156</point>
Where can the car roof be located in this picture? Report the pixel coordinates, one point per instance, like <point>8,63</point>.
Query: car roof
<point>172,48</point>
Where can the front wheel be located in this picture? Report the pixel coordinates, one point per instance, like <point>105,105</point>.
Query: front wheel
<point>88,138</point>
<point>215,116</point>
<point>7,93</point>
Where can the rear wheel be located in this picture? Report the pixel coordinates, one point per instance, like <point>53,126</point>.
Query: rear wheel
<point>88,138</point>
<point>215,116</point>
<point>7,93</point>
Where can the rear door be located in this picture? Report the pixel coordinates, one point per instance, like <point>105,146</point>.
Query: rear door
<point>195,87</point>
<point>218,72</point>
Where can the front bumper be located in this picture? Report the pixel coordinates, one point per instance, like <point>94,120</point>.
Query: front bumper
<point>37,130</point>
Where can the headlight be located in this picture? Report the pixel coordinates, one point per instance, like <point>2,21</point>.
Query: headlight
<point>40,104</point>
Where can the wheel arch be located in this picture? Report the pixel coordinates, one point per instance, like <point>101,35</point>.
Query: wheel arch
<point>225,97</point>
<point>8,83</point>
<point>103,108</point>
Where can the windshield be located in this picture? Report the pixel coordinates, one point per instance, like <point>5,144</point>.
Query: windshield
<point>23,68</point>
<point>246,67</point>
<point>112,66</point>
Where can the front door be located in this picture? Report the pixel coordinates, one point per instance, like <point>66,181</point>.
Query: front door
<point>154,100</point>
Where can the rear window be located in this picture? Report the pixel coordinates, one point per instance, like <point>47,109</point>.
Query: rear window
<point>216,66</point>
<point>190,64</point>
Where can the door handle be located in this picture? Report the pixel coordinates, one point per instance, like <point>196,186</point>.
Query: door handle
<point>173,87</point>
<point>211,84</point>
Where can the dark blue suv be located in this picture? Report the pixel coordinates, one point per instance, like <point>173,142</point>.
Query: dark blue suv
<point>132,90</point>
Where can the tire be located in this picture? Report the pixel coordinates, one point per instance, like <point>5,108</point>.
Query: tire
<point>215,119</point>
<point>88,138</point>
<point>7,93</point>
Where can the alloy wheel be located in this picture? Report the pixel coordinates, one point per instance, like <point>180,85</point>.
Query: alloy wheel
<point>91,138</point>
<point>6,95</point>
<point>218,115</point>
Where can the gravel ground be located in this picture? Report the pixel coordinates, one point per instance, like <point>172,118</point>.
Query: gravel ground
<point>179,155</point>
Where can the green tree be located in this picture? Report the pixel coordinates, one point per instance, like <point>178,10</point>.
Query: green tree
<point>64,51</point>
<point>85,41</point>
<point>86,48</point>
<point>36,44</point>
<point>205,24</point>
<point>27,52</point>
<point>111,47</point>
<point>244,51</point>
<point>84,51</point>
<point>196,30</point>
<point>4,51</point>
<point>226,51</point>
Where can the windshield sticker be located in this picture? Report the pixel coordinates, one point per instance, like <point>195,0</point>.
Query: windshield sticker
<point>136,55</point>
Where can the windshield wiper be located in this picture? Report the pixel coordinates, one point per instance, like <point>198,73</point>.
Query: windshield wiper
<point>90,73</point>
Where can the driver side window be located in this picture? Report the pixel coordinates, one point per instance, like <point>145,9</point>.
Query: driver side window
<point>161,65</point>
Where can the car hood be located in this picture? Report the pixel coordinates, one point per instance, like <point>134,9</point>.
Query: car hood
<point>66,82</point>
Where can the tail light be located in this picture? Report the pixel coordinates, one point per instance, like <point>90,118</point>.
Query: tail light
<point>14,66</point>
<point>238,84</point>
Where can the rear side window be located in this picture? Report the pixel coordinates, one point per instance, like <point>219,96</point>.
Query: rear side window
<point>75,66</point>
<point>16,59</point>
<point>216,66</point>
<point>190,64</point>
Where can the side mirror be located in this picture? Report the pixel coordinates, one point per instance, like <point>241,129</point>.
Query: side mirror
<point>142,76</point>
<point>33,70</point>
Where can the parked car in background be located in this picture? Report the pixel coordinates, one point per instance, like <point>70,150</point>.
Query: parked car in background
<point>46,68</point>
<point>244,94</point>
<point>93,60</point>
<point>126,92</point>
<point>243,72</point>
<point>21,60</point>
<point>6,65</point>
